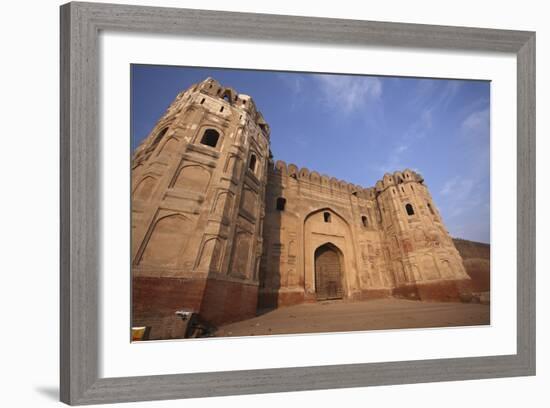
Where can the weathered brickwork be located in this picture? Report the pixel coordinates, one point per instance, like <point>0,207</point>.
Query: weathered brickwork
<point>219,228</point>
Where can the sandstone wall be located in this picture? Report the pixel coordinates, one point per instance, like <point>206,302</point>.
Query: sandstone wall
<point>477,261</point>
<point>198,187</point>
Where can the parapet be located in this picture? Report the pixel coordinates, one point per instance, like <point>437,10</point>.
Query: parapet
<point>323,180</point>
<point>214,89</point>
<point>398,177</point>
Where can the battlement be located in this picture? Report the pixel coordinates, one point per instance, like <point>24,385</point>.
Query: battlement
<point>398,177</point>
<point>368,193</point>
<point>214,89</point>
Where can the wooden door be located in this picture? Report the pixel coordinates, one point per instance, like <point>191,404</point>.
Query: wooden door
<point>328,274</point>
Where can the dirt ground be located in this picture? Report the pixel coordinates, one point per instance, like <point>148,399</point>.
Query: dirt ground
<point>339,316</point>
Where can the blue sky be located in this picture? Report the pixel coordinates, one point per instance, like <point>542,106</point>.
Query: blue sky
<point>356,128</point>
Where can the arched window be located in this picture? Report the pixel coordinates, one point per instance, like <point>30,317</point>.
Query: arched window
<point>431,209</point>
<point>410,210</point>
<point>364,221</point>
<point>281,203</point>
<point>252,163</point>
<point>326,216</point>
<point>210,138</point>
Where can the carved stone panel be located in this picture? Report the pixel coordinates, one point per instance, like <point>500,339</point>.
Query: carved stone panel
<point>167,241</point>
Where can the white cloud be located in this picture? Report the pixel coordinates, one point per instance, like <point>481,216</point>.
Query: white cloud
<point>458,187</point>
<point>296,84</point>
<point>401,148</point>
<point>460,195</point>
<point>431,94</point>
<point>477,122</point>
<point>349,93</point>
<point>394,160</point>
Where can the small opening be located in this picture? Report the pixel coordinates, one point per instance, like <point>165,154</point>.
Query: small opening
<point>221,109</point>
<point>410,210</point>
<point>364,221</point>
<point>402,189</point>
<point>202,101</point>
<point>294,176</point>
<point>160,135</point>
<point>244,102</point>
<point>393,190</point>
<point>326,216</point>
<point>431,209</point>
<point>210,138</point>
<point>354,193</point>
<point>226,98</point>
<point>281,204</point>
<point>252,163</point>
<point>412,189</point>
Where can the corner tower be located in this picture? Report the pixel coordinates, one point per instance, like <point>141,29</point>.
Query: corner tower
<point>198,188</point>
<point>422,256</point>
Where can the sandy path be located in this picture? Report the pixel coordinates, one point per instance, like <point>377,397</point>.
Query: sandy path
<point>337,316</point>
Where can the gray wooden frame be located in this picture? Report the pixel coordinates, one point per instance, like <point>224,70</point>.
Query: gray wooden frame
<point>80,192</point>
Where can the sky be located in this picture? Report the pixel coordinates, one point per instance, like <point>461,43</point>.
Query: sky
<point>358,127</point>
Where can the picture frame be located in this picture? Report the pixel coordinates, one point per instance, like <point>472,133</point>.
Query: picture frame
<point>80,236</point>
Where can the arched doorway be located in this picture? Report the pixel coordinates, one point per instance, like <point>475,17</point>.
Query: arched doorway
<point>328,272</point>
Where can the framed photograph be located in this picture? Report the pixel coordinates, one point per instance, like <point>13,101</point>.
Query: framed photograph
<point>261,203</point>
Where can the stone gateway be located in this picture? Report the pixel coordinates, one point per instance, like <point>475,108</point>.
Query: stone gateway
<point>221,229</point>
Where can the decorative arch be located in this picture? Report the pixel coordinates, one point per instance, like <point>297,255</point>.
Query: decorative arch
<point>210,255</point>
<point>166,241</point>
<point>192,177</point>
<point>144,188</point>
<point>325,209</point>
<point>338,232</point>
<point>159,136</point>
<point>329,272</point>
<point>241,255</point>
<point>170,146</point>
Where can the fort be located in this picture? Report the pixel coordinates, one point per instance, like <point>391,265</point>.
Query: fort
<point>220,228</point>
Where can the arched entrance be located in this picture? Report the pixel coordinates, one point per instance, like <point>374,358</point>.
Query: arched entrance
<point>328,272</point>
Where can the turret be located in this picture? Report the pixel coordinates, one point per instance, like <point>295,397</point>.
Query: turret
<point>421,250</point>
<point>198,204</point>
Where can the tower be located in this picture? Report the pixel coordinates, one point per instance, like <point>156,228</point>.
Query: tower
<point>422,257</point>
<point>198,188</point>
